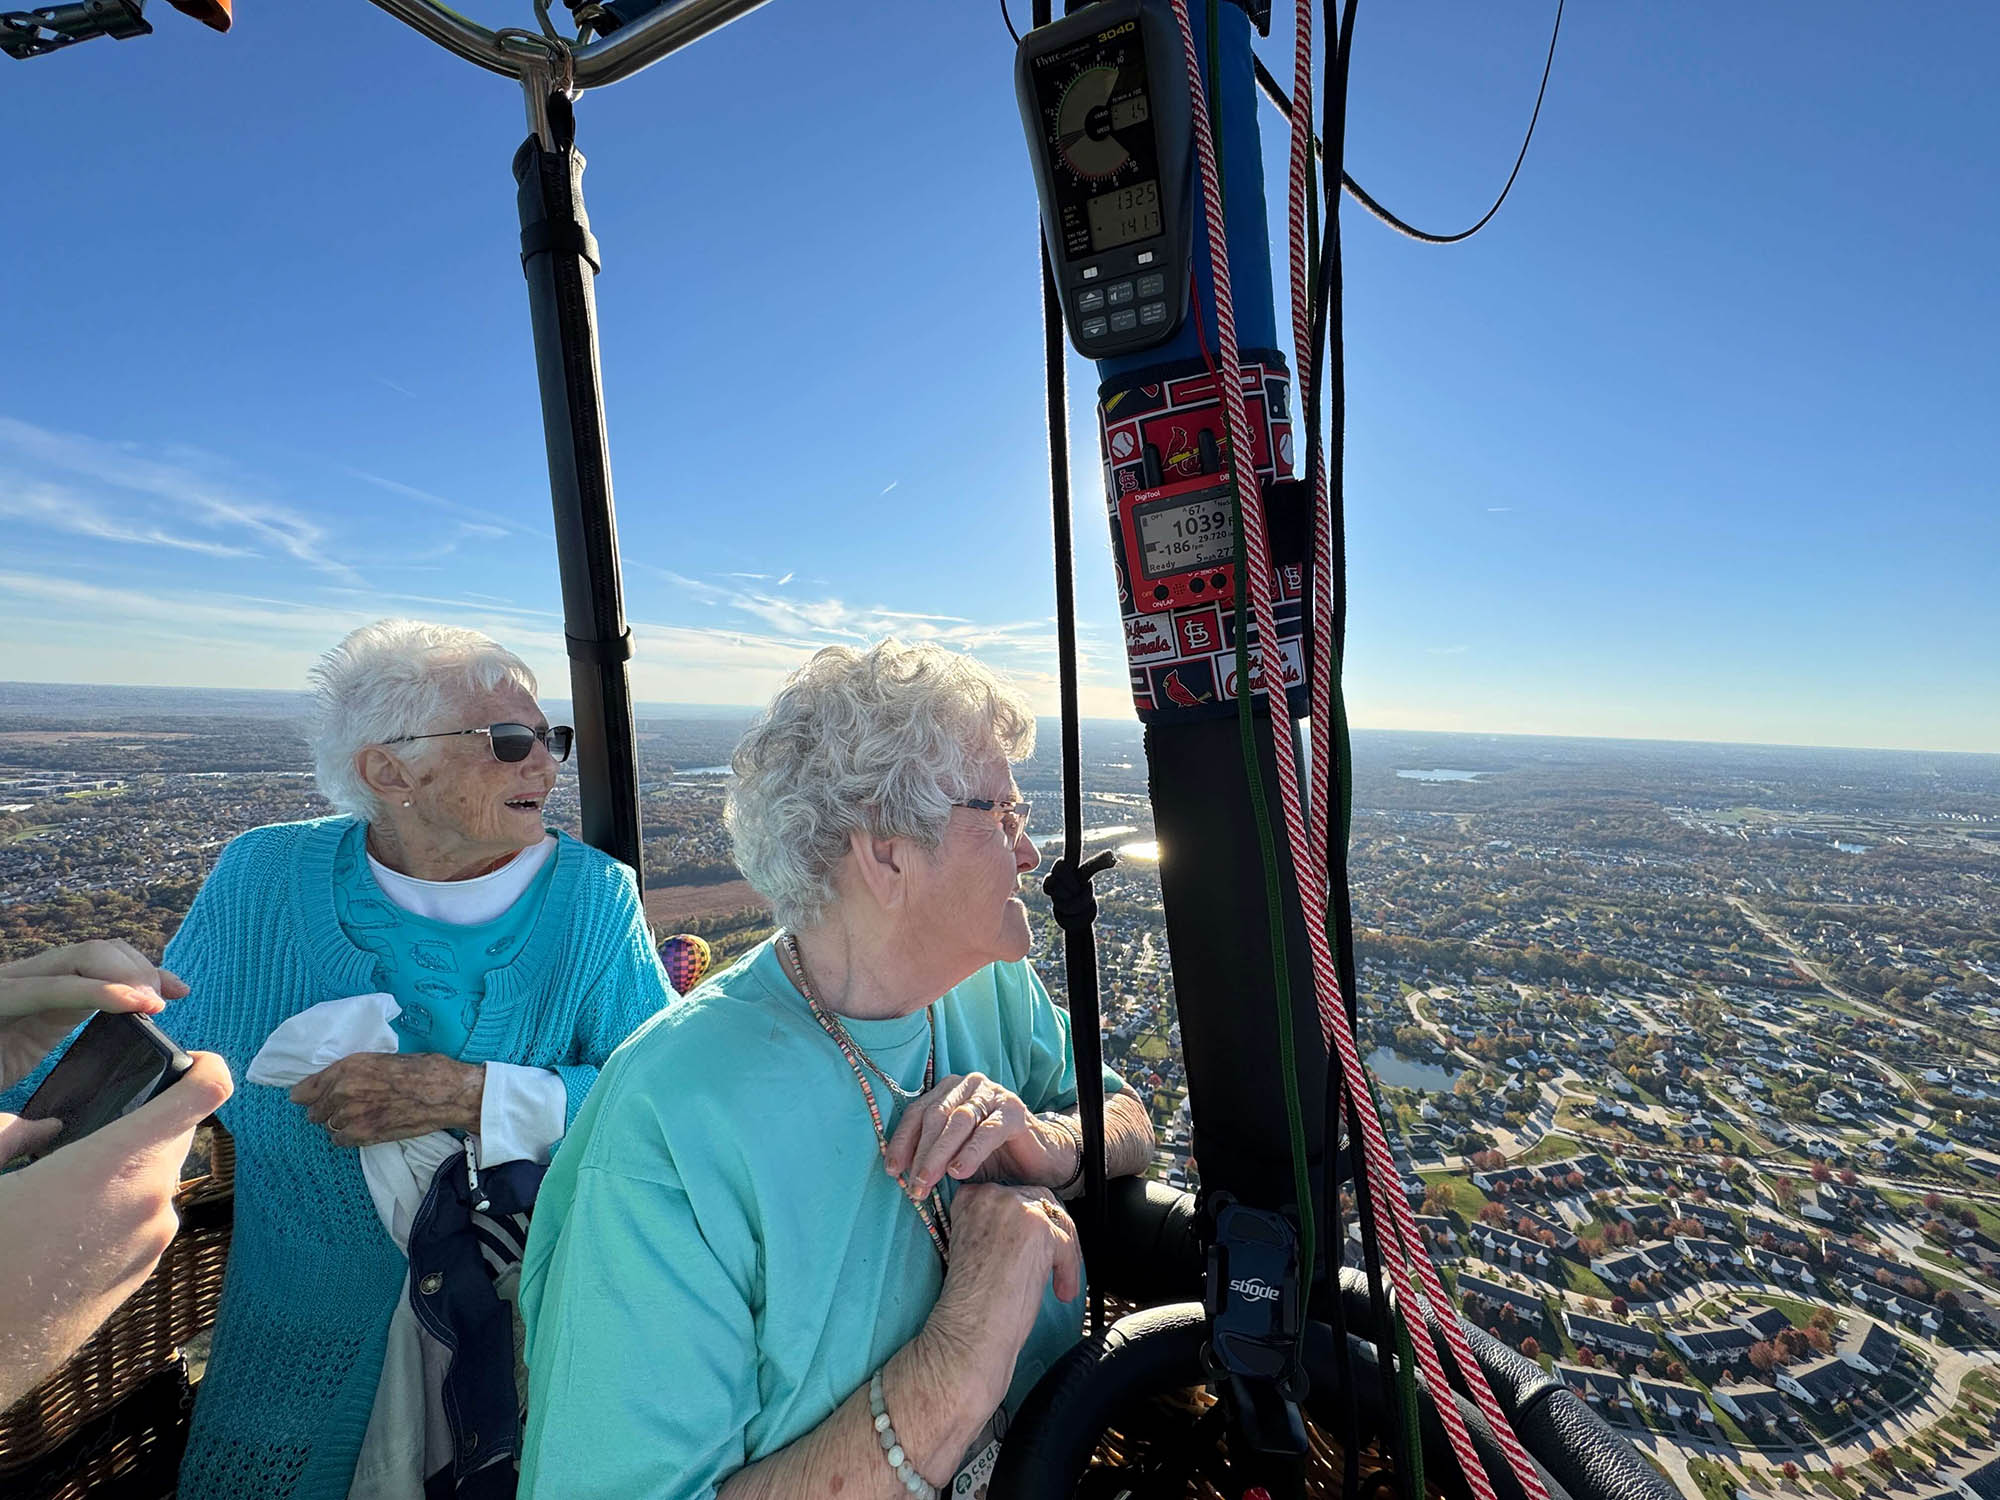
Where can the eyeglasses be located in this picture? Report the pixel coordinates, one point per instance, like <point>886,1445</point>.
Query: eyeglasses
<point>509,742</point>
<point>1012,815</point>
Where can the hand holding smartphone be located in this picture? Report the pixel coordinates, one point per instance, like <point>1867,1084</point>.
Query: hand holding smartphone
<point>117,1063</point>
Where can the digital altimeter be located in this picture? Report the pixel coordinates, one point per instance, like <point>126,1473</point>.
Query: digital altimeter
<point>1180,543</point>
<point>1104,99</point>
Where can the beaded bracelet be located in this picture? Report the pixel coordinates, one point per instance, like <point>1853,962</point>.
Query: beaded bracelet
<point>892,1450</point>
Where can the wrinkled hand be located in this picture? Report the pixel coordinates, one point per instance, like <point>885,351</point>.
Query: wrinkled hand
<point>371,1097</point>
<point>44,997</point>
<point>1007,1245</point>
<point>972,1129</point>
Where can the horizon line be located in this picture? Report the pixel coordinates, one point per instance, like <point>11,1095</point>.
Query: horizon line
<point>1133,723</point>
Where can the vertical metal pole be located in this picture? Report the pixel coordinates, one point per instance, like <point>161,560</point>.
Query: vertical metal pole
<point>559,256</point>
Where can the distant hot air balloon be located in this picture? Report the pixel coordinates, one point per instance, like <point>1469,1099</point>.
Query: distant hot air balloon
<point>686,958</point>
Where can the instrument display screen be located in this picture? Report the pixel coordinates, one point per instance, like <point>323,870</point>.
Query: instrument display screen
<point>1096,112</point>
<point>1182,534</point>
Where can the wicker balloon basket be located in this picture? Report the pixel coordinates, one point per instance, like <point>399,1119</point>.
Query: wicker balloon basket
<point>113,1420</point>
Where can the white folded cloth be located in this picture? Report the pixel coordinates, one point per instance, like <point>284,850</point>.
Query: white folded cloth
<point>398,1173</point>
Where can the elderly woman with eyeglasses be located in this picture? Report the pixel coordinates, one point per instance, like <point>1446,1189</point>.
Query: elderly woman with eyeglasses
<point>807,1237</point>
<point>503,964</point>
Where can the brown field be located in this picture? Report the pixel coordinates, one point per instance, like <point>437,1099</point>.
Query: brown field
<point>671,905</point>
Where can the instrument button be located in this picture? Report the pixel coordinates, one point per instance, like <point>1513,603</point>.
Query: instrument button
<point>1153,312</point>
<point>1124,322</point>
<point>1197,585</point>
<point>1091,301</point>
<point>1120,292</point>
<point>1090,273</point>
<point>1093,328</point>
<point>1159,591</point>
<point>1152,286</point>
<point>1145,257</point>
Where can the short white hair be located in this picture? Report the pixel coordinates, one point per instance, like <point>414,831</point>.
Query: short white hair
<point>389,679</point>
<point>882,741</point>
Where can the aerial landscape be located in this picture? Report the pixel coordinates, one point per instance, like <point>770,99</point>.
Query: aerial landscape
<point>1692,1050</point>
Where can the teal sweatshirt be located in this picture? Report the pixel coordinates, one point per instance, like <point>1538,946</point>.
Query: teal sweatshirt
<point>718,1258</point>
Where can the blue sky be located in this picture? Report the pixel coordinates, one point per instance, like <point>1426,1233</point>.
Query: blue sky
<point>1697,440</point>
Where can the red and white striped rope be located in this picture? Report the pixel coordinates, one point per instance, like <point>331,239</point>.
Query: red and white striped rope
<point>1404,1247</point>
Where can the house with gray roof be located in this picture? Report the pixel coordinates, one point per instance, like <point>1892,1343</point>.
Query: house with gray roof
<point>1714,1344</point>
<point>1762,1322</point>
<point>1602,1334</point>
<point>1496,1295</point>
<point>1670,1398</point>
<point>1818,1382</point>
<point>1868,1347</point>
<point>1604,1389</point>
<point>1760,1408</point>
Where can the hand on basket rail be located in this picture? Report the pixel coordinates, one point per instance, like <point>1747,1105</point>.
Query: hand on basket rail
<point>84,1226</point>
<point>46,996</point>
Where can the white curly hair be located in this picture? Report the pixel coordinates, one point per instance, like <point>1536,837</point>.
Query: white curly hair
<point>389,679</point>
<point>882,740</point>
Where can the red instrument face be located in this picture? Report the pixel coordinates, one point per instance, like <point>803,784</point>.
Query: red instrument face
<point>1180,544</point>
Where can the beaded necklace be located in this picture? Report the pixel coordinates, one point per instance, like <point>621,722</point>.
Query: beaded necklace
<point>931,1208</point>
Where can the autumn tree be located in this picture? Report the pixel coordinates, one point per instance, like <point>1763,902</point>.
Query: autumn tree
<point>1848,1177</point>
<point>1619,1306</point>
<point>1791,1470</point>
<point>1763,1358</point>
<point>1821,1172</point>
<point>1531,1346</point>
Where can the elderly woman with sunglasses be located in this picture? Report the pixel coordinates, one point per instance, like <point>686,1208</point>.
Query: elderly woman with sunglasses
<point>807,1237</point>
<point>517,960</point>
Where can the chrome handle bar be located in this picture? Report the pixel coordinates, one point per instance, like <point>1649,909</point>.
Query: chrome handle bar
<point>606,60</point>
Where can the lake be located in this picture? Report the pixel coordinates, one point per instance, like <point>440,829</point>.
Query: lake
<point>1389,1065</point>
<point>1441,775</point>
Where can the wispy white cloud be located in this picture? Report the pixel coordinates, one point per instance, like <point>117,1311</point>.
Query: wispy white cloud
<point>890,485</point>
<point>471,514</point>
<point>401,390</point>
<point>1499,510</point>
<point>1444,650</point>
<point>60,508</point>
<point>177,486</point>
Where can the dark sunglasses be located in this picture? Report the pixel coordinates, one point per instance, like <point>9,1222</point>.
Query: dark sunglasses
<point>510,742</point>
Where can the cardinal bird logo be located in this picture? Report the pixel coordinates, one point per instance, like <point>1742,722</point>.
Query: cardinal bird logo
<point>1182,457</point>
<point>1177,694</point>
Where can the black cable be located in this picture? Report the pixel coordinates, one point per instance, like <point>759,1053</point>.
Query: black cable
<point>1010,23</point>
<point>1068,882</point>
<point>1276,94</point>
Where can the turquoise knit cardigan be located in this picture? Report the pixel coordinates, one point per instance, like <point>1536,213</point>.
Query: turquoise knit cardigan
<point>313,1276</point>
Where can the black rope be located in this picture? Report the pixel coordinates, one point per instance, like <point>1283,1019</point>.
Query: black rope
<point>1010,23</point>
<point>1276,94</point>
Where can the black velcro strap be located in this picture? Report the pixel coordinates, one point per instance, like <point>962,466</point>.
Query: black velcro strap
<point>600,653</point>
<point>563,235</point>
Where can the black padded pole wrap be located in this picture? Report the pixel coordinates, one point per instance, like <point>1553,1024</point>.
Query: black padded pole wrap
<point>560,259</point>
<point>1212,884</point>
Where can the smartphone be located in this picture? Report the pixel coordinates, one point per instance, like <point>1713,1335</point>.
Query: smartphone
<point>118,1062</point>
